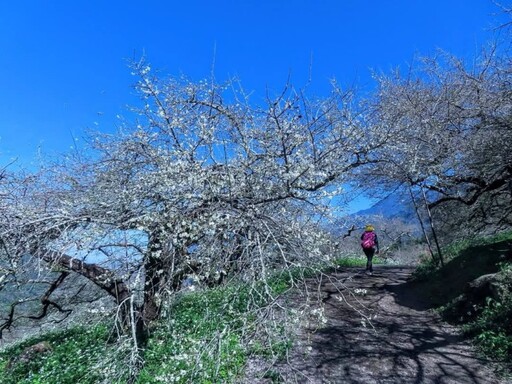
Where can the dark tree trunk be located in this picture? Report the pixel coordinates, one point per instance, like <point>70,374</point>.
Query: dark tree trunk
<point>157,269</point>
<point>420,220</point>
<point>432,228</point>
<point>102,277</point>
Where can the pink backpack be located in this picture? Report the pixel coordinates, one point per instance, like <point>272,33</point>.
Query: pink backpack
<point>368,240</point>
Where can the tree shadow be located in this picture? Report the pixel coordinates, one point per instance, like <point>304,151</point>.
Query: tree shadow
<point>403,351</point>
<point>446,284</point>
<point>404,342</point>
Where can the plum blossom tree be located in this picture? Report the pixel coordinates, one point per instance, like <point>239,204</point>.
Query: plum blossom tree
<point>202,183</point>
<point>451,138</point>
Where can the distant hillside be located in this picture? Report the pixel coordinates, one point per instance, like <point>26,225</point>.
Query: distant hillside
<point>391,207</point>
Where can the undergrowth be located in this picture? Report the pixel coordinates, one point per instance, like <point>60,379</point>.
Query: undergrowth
<point>489,324</point>
<point>70,358</point>
<point>492,328</point>
<point>205,337</point>
<point>201,342</point>
<point>457,250</point>
<point>356,261</point>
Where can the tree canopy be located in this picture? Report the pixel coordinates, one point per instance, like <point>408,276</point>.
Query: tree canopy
<point>204,184</point>
<point>201,183</point>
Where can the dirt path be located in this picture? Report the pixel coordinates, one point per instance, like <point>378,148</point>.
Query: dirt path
<point>406,342</point>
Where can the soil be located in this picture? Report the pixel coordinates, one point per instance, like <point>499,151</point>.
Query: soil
<point>404,342</point>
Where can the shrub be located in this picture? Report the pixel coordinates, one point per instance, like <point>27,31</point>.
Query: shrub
<point>492,328</point>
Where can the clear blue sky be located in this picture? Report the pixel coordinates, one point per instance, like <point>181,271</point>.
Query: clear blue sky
<point>63,64</point>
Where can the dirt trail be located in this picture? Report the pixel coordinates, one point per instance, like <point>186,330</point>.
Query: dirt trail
<point>406,343</point>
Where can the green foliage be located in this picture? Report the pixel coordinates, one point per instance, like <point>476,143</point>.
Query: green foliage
<point>458,247</point>
<point>426,269</point>
<point>200,342</point>
<point>492,328</point>
<point>489,323</point>
<point>355,261</point>
<point>205,337</point>
<point>72,355</point>
<point>282,281</point>
<point>476,253</point>
<point>467,261</point>
<point>202,339</point>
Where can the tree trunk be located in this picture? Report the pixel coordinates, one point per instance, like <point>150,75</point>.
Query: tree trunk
<point>416,209</point>
<point>102,277</point>
<point>434,233</point>
<point>157,270</point>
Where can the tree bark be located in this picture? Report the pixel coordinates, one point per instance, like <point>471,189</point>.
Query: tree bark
<point>434,233</point>
<point>416,209</point>
<point>102,277</point>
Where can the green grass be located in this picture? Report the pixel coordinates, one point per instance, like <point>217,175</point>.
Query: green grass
<point>201,342</point>
<point>491,329</point>
<point>73,354</point>
<point>210,334</point>
<point>202,339</point>
<point>465,262</point>
<point>356,261</point>
<point>206,337</point>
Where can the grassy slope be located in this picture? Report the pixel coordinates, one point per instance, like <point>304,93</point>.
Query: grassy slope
<point>489,325</point>
<point>216,317</point>
<point>179,350</point>
<point>86,355</point>
<point>466,262</point>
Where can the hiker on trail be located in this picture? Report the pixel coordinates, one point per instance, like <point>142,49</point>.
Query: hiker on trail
<point>370,245</point>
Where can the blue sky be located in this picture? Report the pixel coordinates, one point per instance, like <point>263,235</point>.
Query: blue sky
<point>63,64</point>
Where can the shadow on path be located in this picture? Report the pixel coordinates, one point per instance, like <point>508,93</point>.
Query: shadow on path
<point>404,342</point>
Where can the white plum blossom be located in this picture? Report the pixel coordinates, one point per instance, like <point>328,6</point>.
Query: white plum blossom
<point>201,183</point>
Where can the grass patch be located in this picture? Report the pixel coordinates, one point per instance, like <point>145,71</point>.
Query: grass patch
<point>356,261</point>
<point>205,337</point>
<point>492,328</point>
<point>202,339</point>
<point>458,247</point>
<point>73,353</point>
<point>488,322</point>
<point>201,342</point>
<point>465,262</point>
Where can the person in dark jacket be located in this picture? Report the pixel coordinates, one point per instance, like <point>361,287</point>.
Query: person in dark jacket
<point>370,245</point>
